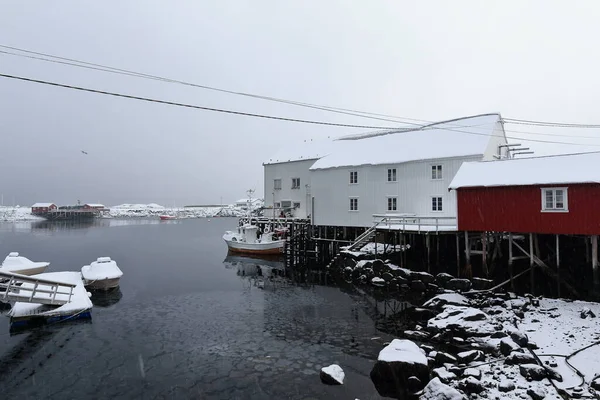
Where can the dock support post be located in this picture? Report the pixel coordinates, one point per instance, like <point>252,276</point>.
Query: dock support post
<point>595,261</point>
<point>558,265</point>
<point>428,252</point>
<point>437,251</point>
<point>510,262</point>
<point>467,255</point>
<point>531,262</point>
<point>457,254</point>
<point>484,254</point>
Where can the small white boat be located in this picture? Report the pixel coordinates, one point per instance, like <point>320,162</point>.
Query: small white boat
<point>102,274</point>
<point>246,240</point>
<point>22,265</point>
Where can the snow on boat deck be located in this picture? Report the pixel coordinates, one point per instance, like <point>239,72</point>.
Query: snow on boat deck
<point>80,300</point>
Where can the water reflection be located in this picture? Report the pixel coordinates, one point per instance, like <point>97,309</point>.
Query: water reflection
<point>106,298</point>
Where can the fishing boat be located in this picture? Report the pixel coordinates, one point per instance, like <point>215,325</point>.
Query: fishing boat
<point>22,265</point>
<point>247,241</point>
<point>167,217</point>
<point>102,274</point>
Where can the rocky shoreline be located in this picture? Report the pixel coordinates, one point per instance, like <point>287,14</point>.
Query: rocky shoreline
<point>467,341</point>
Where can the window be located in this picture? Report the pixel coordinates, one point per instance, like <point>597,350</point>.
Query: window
<point>353,204</point>
<point>286,203</point>
<point>436,172</point>
<point>436,204</point>
<point>277,184</point>
<point>295,183</point>
<point>391,175</point>
<point>296,205</point>
<point>277,205</point>
<point>554,199</point>
<point>353,177</point>
<point>392,203</point>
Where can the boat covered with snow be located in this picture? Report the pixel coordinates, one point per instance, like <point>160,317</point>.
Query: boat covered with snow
<point>22,265</point>
<point>167,217</point>
<point>248,240</point>
<point>102,274</point>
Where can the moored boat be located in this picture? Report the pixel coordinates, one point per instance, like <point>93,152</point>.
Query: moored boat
<point>167,217</point>
<point>102,274</point>
<point>22,265</point>
<point>247,241</point>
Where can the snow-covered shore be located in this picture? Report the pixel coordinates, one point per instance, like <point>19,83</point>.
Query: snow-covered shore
<point>14,214</point>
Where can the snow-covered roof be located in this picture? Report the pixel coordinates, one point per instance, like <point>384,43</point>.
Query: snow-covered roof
<point>559,169</point>
<point>42,205</point>
<point>94,205</point>
<point>310,149</point>
<point>468,136</point>
<point>244,201</point>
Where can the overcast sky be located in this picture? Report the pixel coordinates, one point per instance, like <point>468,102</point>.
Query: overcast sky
<point>429,60</point>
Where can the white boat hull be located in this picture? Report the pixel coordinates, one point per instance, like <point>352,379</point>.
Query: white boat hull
<point>102,284</point>
<point>29,270</point>
<point>274,247</point>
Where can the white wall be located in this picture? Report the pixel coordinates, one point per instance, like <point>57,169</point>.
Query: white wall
<point>498,138</point>
<point>285,172</point>
<point>414,189</point>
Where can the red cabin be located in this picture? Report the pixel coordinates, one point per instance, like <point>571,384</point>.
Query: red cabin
<point>546,195</point>
<point>42,208</point>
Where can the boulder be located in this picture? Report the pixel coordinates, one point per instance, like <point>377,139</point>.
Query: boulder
<point>474,372</point>
<point>378,266</point>
<point>422,314</point>
<point>387,276</point>
<point>414,384</point>
<point>422,276</point>
<point>506,385</point>
<point>507,346</point>
<point>396,363</point>
<point>417,335</point>
<point>482,284</point>
<point>586,312</point>
<point>443,278</point>
<point>498,335</point>
<point>400,272</point>
<point>596,384</point>
<point>532,371</point>
<point>467,357</point>
<point>436,390</point>
<point>462,285</point>
<point>432,287</point>
<point>332,375</point>
<point>417,286</point>
<point>349,263</point>
<point>445,358</point>
<point>518,358</point>
<point>471,385</point>
<point>444,375</point>
<point>441,300</point>
<point>519,338</point>
<point>377,282</point>
<point>536,393</point>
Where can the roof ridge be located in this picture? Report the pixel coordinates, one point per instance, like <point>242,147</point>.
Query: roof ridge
<point>538,157</point>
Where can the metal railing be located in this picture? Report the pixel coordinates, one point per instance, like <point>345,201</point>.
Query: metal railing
<point>44,291</point>
<point>414,222</point>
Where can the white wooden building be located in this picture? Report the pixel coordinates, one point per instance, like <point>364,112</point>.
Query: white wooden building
<point>345,182</point>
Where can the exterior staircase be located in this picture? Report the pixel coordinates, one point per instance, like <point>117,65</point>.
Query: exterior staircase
<point>37,290</point>
<point>359,242</point>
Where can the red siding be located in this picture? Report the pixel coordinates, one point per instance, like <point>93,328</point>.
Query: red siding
<point>518,209</point>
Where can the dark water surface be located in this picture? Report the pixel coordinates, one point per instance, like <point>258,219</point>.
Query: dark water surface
<point>189,322</point>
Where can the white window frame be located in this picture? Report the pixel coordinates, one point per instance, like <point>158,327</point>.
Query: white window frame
<point>437,204</point>
<point>350,204</point>
<point>439,170</point>
<point>350,177</point>
<point>565,207</point>
<point>296,204</point>
<point>396,203</point>
<point>293,183</point>
<point>275,184</point>
<point>394,173</point>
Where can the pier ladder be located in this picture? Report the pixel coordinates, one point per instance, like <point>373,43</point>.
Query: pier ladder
<point>37,290</point>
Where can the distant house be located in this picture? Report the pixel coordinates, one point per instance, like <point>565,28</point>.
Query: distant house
<point>349,180</point>
<point>88,206</point>
<point>243,203</point>
<point>544,195</point>
<point>42,208</point>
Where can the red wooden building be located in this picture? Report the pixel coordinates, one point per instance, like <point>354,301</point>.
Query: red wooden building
<point>89,206</point>
<point>42,208</point>
<point>532,202</point>
<point>546,195</point>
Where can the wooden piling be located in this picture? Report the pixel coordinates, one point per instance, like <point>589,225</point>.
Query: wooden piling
<point>510,262</point>
<point>467,256</point>
<point>531,263</point>
<point>457,254</point>
<point>595,261</point>
<point>558,265</point>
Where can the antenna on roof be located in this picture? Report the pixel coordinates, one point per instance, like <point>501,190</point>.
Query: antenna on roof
<point>521,152</point>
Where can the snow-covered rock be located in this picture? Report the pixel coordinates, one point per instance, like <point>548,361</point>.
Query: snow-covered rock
<point>532,371</point>
<point>444,375</point>
<point>506,385</point>
<point>466,357</point>
<point>462,285</point>
<point>463,320</point>
<point>332,375</point>
<point>436,390</point>
<point>396,363</point>
<point>517,357</point>
<point>454,299</point>
<point>507,346</point>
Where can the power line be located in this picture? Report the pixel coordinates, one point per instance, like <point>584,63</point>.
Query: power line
<point>272,117</point>
<point>362,114</point>
<point>120,71</point>
<point>549,124</point>
<point>193,106</point>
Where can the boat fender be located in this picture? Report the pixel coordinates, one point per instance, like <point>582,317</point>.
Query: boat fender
<point>234,239</point>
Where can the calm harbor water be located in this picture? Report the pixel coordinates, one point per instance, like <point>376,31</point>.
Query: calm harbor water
<point>188,322</point>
